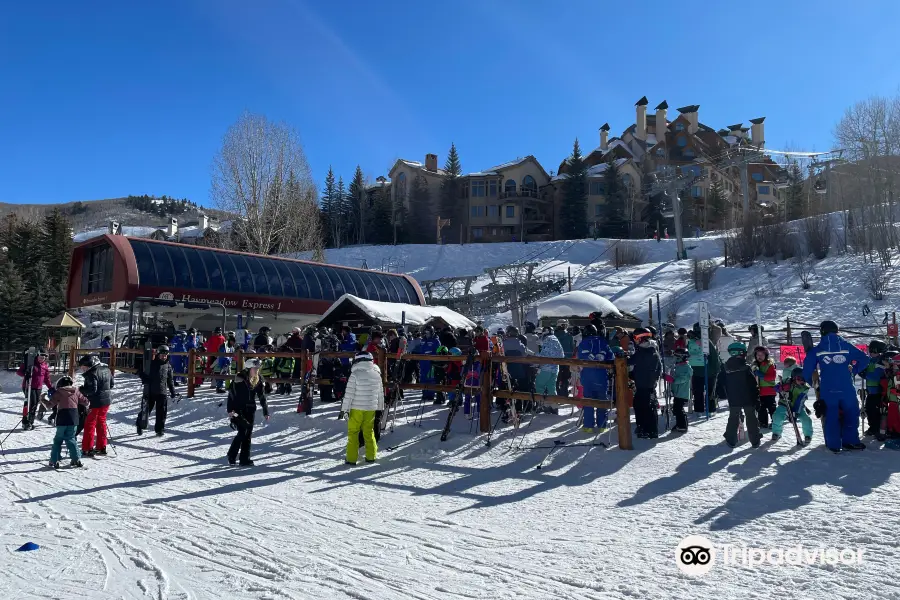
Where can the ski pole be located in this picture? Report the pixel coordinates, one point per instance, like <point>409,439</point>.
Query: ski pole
<point>491,432</point>
<point>9,433</point>
<point>556,444</point>
<point>109,438</point>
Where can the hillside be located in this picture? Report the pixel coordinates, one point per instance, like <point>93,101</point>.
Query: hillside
<point>94,214</point>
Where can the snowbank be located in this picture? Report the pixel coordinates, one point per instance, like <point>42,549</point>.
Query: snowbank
<point>390,312</point>
<point>577,303</point>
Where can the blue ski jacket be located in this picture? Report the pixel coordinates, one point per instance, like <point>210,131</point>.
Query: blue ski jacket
<point>838,362</point>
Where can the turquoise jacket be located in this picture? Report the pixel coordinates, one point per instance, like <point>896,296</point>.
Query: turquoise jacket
<point>681,387</point>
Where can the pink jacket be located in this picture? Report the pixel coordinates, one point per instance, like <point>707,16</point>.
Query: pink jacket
<point>40,375</point>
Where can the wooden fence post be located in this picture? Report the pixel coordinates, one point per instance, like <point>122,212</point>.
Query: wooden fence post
<point>112,363</point>
<point>487,399</point>
<point>623,413</point>
<point>650,300</point>
<point>72,359</point>
<point>303,355</point>
<point>790,338</point>
<point>191,371</point>
<point>238,359</point>
<point>895,322</point>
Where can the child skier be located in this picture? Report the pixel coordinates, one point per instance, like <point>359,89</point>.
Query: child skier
<point>364,395</point>
<point>550,347</point>
<point>873,375</point>
<point>680,378</point>
<point>765,371</point>
<point>67,401</point>
<point>39,377</point>
<point>793,396</point>
<point>742,390</point>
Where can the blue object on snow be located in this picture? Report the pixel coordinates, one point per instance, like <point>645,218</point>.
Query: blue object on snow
<point>28,547</point>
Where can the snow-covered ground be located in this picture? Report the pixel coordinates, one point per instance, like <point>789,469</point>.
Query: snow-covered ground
<point>167,518</point>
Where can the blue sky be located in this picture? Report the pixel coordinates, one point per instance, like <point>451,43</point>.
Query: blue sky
<point>105,99</point>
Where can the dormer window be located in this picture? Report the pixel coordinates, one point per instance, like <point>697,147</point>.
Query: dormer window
<point>660,151</point>
<point>679,126</point>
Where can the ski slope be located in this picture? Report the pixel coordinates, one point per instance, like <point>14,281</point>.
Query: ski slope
<point>167,518</point>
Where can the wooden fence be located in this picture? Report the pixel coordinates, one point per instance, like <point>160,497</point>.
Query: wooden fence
<point>122,359</point>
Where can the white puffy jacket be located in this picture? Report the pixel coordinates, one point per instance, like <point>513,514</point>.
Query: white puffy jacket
<point>365,389</point>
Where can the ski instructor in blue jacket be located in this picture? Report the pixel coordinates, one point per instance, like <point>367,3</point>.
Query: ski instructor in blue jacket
<point>838,362</point>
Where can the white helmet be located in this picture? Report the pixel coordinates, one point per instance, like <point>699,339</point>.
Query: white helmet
<point>252,363</point>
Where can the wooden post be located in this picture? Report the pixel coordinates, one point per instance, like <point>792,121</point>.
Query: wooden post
<point>238,359</point>
<point>303,365</point>
<point>895,322</point>
<point>623,412</point>
<point>72,359</point>
<point>790,338</point>
<point>112,364</point>
<point>191,370</point>
<point>486,393</point>
<point>382,364</point>
<point>617,258</point>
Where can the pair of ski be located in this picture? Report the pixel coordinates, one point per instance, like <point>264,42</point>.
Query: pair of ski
<point>458,395</point>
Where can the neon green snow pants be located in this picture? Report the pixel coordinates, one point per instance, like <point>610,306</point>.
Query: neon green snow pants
<point>361,420</point>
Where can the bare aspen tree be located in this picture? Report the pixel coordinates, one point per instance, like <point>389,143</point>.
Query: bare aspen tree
<point>261,174</point>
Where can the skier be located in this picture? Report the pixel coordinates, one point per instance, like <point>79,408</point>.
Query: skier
<point>97,389</point>
<point>428,345</point>
<point>247,389</point>
<point>179,363</point>
<point>342,372</point>
<point>447,337</point>
<point>594,381</point>
<point>787,372</point>
<point>545,382</point>
<point>192,342</point>
<point>568,346</point>
<point>262,339</point>
<point>157,383</point>
<point>521,375</point>
<point>873,375</point>
<point>725,340</point>
<point>838,362</point>
<point>756,339</point>
<point>682,340</point>
<point>363,397</point>
<point>224,364</point>
<point>681,388</point>
<point>742,390</point>
<point>215,341</point>
<point>794,393</point>
<point>67,402</point>
<point>706,369</point>
<point>328,368</point>
<point>766,375</point>
<point>106,344</point>
<point>645,368</point>
<point>39,377</point>
<point>532,341</point>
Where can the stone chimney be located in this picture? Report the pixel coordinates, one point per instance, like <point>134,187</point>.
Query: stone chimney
<point>204,222</point>
<point>640,118</point>
<point>691,112</point>
<point>604,137</point>
<point>758,132</point>
<point>661,111</point>
<point>431,163</point>
<point>173,227</point>
<point>114,228</point>
<point>735,130</point>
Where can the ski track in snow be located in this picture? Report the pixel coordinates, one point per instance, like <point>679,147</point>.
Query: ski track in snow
<point>166,519</point>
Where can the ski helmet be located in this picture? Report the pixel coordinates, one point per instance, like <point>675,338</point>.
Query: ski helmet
<point>682,331</point>
<point>217,330</point>
<point>529,327</point>
<point>652,331</point>
<point>429,329</point>
<point>264,329</point>
<point>589,331</point>
<point>640,333</point>
<point>512,331</point>
<point>192,331</point>
<point>577,330</point>
<point>455,351</point>
<point>162,349</point>
<point>442,350</point>
<point>877,347</point>
<point>754,329</point>
<point>362,357</point>
<point>797,372</point>
<point>562,324</point>
<point>737,349</point>
<point>762,349</point>
<point>64,381</point>
<point>828,327</point>
<point>88,360</point>
<point>252,363</point>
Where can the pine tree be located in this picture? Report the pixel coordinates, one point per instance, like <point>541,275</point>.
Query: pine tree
<point>331,210</point>
<point>343,209</point>
<point>57,248</point>
<point>451,205</point>
<point>795,203</point>
<point>358,207</point>
<point>13,308</point>
<point>573,212</point>
<point>380,226</point>
<point>716,204</point>
<point>422,220</point>
<point>25,251</point>
<point>616,197</point>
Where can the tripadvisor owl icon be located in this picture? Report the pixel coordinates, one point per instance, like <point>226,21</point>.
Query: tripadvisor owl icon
<point>695,555</point>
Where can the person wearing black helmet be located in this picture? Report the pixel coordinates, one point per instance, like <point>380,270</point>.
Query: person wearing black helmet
<point>262,339</point>
<point>838,362</point>
<point>97,389</point>
<point>568,345</point>
<point>872,375</point>
<point>159,386</point>
<point>645,368</point>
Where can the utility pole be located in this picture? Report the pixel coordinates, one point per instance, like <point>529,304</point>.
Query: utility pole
<point>745,191</point>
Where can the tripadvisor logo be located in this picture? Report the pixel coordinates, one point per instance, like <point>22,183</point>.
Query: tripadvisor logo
<point>696,555</point>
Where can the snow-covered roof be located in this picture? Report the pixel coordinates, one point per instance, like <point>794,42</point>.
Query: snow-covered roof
<point>390,312</point>
<point>496,170</point>
<point>601,168</point>
<point>577,303</point>
<point>126,230</point>
<point>418,165</point>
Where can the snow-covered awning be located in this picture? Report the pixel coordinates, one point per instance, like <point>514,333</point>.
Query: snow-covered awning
<point>578,303</point>
<point>351,309</point>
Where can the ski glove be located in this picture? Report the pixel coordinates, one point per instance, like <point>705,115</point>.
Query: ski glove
<point>668,378</point>
<point>231,423</point>
<point>341,416</point>
<point>777,388</point>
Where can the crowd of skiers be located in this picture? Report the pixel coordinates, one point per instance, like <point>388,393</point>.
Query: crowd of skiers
<point>758,397</point>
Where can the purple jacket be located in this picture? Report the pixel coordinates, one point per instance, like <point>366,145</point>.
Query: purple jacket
<point>66,401</point>
<point>40,375</point>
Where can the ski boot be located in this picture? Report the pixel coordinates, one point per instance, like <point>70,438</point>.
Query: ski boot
<point>75,464</point>
<point>89,453</point>
<point>590,430</point>
<point>53,465</point>
<point>859,446</point>
<point>807,440</point>
<point>100,452</point>
<point>775,437</point>
<point>246,463</point>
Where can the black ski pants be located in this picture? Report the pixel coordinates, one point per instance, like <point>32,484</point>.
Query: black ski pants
<point>765,408</point>
<point>562,380</point>
<point>645,411</point>
<point>161,403</point>
<point>678,405</point>
<point>29,407</point>
<point>697,387</point>
<point>241,442</point>
<point>873,411</point>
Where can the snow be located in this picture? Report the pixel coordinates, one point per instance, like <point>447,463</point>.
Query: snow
<point>166,518</point>
<point>125,229</point>
<point>392,312</point>
<point>577,303</point>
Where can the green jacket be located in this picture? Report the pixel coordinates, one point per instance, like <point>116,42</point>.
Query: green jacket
<point>681,387</point>
<point>696,360</point>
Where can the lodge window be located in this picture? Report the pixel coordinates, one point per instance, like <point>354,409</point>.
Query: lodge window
<point>97,270</point>
<point>478,211</point>
<point>510,212</point>
<point>477,232</point>
<point>597,188</point>
<point>493,211</point>
<point>764,189</point>
<point>478,189</point>
<point>492,188</point>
